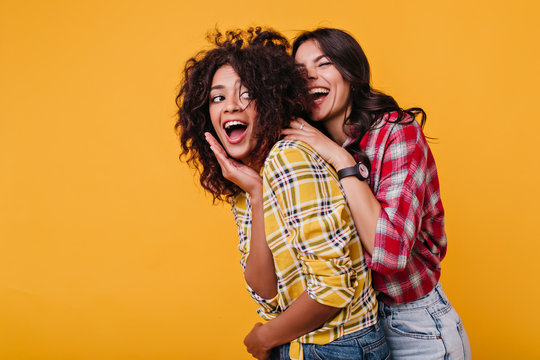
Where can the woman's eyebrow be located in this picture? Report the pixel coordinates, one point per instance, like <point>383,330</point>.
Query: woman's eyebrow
<point>236,84</point>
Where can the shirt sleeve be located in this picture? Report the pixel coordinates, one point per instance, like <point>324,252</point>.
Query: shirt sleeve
<point>318,223</point>
<point>268,308</point>
<point>401,193</point>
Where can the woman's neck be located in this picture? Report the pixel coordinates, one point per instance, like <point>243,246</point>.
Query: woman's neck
<point>334,128</point>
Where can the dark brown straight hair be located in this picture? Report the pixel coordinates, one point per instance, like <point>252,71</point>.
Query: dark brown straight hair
<point>368,105</point>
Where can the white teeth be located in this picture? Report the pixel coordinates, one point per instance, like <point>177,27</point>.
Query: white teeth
<point>232,123</point>
<point>319,91</point>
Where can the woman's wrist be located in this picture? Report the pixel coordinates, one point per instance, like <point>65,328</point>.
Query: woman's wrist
<point>256,196</point>
<point>256,191</point>
<point>343,161</point>
<point>266,333</point>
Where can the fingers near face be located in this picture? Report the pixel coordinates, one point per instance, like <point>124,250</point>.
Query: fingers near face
<point>297,124</point>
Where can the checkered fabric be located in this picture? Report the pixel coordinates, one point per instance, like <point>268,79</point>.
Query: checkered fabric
<point>410,241</point>
<point>315,246</point>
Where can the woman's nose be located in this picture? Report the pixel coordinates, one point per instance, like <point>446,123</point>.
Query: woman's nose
<point>311,72</point>
<point>232,105</point>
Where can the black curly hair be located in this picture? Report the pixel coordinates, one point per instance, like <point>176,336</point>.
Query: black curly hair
<point>276,85</point>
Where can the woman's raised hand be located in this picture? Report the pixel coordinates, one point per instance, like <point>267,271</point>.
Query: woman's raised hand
<point>334,154</point>
<point>242,175</point>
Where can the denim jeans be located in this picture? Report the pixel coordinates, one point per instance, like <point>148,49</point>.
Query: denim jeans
<point>365,344</point>
<point>427,328</point>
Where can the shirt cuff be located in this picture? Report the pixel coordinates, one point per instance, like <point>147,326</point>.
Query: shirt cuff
<point>330,282</point>
<point>268,308</point>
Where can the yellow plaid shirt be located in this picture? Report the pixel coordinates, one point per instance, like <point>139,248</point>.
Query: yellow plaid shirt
<point>310,232</point>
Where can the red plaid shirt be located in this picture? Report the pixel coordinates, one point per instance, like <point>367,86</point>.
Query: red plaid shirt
<point>410,241</point>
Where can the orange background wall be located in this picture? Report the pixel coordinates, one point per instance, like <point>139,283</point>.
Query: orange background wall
<point>109,248</point>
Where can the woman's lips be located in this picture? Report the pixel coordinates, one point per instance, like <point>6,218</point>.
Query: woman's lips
<point>319,94</point>
<point>318,101</point>
<point>236,135</point>
<point>235,131</point>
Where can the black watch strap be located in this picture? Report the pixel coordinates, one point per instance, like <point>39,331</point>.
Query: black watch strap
<point>359,171</point>
<point>348,171</point>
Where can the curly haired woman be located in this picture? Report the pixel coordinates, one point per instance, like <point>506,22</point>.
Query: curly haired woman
<point>303,261</point>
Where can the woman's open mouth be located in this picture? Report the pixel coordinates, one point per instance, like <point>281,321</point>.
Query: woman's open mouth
<point>318,94</point>
<point>235,131</point>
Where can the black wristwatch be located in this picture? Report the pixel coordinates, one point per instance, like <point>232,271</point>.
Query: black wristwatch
<point>360,170</point>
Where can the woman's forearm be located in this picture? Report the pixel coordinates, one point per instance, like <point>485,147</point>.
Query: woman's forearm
<point>365,210</point>
<point>301,317</point>
<point>364,206</point>
<point>260,273</point>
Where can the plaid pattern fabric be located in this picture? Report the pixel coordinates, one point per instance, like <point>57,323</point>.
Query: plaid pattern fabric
<point>315,246</point>
<point>410,241</point>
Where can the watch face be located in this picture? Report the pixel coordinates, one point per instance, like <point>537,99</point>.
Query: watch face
<point>363,170</point>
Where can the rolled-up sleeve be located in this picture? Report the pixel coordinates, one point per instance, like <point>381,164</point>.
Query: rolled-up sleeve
<point>317,221</point>
<point>268,308</point>
<point>331,281</point>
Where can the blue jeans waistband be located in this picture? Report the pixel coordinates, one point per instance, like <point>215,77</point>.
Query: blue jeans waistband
<point>434,296</point>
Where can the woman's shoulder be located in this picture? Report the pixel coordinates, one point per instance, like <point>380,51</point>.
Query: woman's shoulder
<point>290,150</point>
<point>390,126</point>
<point>292,156</point>
<point>391,120</point>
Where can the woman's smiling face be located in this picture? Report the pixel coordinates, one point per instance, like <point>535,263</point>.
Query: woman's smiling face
<point>233,114</point>
<point>329,89</point>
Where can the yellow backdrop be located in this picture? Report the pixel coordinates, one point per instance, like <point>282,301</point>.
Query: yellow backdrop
<point>109,248</point>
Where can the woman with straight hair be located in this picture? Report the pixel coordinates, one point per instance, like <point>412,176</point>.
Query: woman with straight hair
<point>389,177</point>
